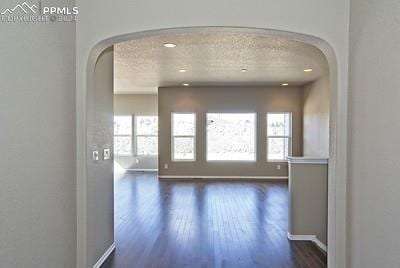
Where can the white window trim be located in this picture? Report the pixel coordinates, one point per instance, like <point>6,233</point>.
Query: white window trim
<point>255,138</point>
<point>290,137</point>
<point>135,136</point>
<point>124,135</point>
<point>183,136</point>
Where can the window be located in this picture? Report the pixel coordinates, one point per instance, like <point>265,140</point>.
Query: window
<point>231,136</point>
<point>279,140</point>
<point>146,135</point>
<point>122,135</point>
<point>183,136</point>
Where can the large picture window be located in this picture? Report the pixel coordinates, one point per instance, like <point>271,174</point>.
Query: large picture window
<point>279,136</point>
<point>183,136</point>
<point>123,135</point>
<point>146,135</point>
<point>231,136</point>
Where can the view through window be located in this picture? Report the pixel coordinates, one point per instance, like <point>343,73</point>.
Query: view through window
<point>183,136</point>
<point>231,136</point>
<point>278,136</point>
<point>122,135</point>
<point>146,133</point>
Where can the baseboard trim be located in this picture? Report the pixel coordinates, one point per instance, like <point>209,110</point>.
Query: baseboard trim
<point>104,257</point>
<point>312,238</point>
<point>224,177</point>
<point>141,170</point>
<point>321,245</point>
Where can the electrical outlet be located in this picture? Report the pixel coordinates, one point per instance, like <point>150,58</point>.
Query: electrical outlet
<point>166,166</point>
<point>278,167</point>
<point>106,154</point>
<point>137,160</point>
<point>95,155</point>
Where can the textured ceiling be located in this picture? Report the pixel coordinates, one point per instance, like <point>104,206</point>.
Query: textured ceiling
<point>214,59</point>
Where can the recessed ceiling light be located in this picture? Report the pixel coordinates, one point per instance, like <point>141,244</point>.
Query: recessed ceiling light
<point>169,45</point>
<point>308,70</point>
<point>243,70</point>
<point>185,84</point>
<point>285,84</point>
<point>182,71</point>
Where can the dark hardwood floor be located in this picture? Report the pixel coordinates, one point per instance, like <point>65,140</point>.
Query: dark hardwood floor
<point>204,224</point>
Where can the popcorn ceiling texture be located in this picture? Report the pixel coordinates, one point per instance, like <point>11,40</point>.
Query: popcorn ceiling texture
<point>213,59</point>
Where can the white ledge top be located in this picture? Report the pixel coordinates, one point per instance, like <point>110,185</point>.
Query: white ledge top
<point>307,160</point>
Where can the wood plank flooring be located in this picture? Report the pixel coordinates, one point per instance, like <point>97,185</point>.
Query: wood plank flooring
<point>204,224</point>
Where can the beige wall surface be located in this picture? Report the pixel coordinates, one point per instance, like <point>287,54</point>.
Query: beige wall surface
<point>128,104</point>
<point>37,141</point>
<point>308,195</point>
<point>202,100</point>
<point>316,118</point>
<point>100,181</point>
<point>43,55</point>
<point>374,129</point>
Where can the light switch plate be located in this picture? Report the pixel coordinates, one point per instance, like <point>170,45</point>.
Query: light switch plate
<point>95,155</point>
<point>106,154</point>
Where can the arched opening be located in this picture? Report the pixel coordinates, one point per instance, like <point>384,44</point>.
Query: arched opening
<point>90,204</point>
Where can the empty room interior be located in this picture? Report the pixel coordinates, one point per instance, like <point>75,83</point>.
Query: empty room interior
<point>180,134</point>
<point>221,146</point>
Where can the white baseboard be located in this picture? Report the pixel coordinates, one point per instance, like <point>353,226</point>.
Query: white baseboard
<point>301,237</point>
<point>141,169</point>
<point>312,238</point>
<point>224,177</point>
<point>104,257</point>
<point>321,245</point>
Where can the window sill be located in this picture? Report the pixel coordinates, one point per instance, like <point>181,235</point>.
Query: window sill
<point>231,161</point>
<point>278,161</point>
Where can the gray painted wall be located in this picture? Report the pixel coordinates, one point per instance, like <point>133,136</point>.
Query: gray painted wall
<point>137,104</point>
<point>100,181</point>
<point>308,195</point>
<point>374,128</point>
<point>37,141</point>
<point>203,100</point>
<point>316,118</point>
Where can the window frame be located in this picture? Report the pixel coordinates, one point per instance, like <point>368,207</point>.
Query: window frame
<point>124,135</point>
<point>290,137</point>
<point>255,137</point>
<point>135,135</point>
<point>173,159</point>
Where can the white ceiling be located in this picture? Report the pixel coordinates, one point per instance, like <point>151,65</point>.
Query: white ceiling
<point>213,59</point>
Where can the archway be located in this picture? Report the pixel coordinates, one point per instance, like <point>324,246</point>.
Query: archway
<point>336,208</point>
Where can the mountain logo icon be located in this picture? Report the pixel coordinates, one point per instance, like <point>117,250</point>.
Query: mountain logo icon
<point>24,7</point>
